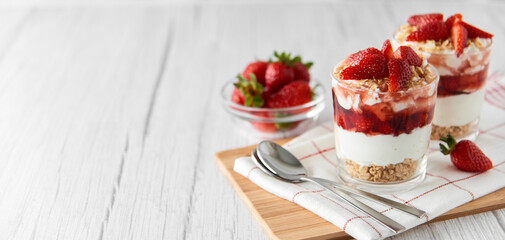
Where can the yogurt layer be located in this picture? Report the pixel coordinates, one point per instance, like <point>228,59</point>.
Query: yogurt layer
<point>458,110</point>
<point>382,150</point>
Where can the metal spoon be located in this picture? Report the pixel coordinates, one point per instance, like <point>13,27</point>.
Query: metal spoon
<point>370,196</point>
<point>287,167</point>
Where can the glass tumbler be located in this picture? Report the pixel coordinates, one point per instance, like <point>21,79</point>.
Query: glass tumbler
<point>382,137</point>
<point>460,92</point>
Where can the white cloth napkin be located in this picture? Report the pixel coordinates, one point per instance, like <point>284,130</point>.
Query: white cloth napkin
<point>444,188</point>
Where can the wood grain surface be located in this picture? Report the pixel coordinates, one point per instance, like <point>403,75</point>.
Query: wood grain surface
<point>111,114</point>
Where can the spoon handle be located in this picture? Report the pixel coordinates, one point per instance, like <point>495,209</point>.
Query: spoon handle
<point>379,217</point>
<point>405,208</point>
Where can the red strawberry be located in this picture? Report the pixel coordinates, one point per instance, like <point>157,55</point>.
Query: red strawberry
<point>452,19</point>
<point>257,68</point>
<point>292,94</point>
<point>387,50</point>
<point>399,74</point>
<point>459,35</point>
<point>474,32</point>
<point>363,123</point>
<point>251,91</point>
<point>237,97</point>
<point>420,20</point>
<point>370,67</point>
<point>277,75</point>
<point>280,72</point>
<point>356,58</point>
<point>466,155</point>
<point>409,55</point>
<point>301,71</point>
<point>264,127</point>
<point>430,31</point>
<point>385,128</point>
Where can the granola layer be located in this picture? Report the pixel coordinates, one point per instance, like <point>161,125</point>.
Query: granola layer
<point>383,174</point>
<point>456,131</point>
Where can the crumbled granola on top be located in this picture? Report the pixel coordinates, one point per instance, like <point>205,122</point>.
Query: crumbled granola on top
<point>421,76</point>
<point>432,45</point>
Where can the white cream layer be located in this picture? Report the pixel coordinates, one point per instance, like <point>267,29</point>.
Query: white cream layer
<point>458,110</point>
<point>382,150</point>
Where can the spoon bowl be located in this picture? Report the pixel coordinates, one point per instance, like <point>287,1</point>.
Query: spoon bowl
<point>280,161</point>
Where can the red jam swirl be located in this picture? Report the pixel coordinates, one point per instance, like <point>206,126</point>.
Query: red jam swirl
<point>461,84</point>
<point>381,119</point>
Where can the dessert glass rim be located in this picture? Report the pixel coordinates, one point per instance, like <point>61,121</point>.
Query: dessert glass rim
<point>488,47</point>
<point>341,83</point>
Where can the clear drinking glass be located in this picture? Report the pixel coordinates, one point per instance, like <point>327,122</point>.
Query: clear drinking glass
<point>460,92</point>
<point>382,137</point>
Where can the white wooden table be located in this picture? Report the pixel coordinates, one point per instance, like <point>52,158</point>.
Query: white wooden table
<point>111,115</point>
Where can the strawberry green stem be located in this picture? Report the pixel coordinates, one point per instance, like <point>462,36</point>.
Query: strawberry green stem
<point>451,144</point>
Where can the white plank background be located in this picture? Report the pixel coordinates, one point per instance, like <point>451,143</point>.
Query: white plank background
<point>110,112</point>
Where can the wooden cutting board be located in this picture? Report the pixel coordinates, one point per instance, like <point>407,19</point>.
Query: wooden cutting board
<point>282,219</point>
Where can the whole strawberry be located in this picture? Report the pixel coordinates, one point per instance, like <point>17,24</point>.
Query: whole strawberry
<point>250,90</point>
<point>279,72</point>
<point>237,97</point>
<point>465,155</point>
<point>293,94</point>
<point>257,68</point>
<point>301,71</point>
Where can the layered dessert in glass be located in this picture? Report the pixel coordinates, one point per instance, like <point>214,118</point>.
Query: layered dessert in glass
<point>383,108</point>
<point>460,53</point>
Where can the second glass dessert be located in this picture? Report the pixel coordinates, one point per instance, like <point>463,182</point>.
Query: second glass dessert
<point>460,52</point>
<point>383,109</point>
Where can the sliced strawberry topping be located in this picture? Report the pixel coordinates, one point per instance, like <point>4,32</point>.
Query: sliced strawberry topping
<point>387,50</point>
<point>370,67</point>
<point>399,74</point>
<point>420,20</point>
<point>430,31</point>
<point>452,19</point>
<point>293,94</point>
<point>474,32</point>
<point>257,68</point>
<point>466,155</point>
<point>409,55</point>
<point>459,35</point>
<point>355,58</point>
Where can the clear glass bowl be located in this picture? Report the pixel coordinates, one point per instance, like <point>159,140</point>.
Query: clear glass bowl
<point>274,123</point>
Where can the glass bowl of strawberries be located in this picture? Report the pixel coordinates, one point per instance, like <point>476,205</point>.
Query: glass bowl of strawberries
<point>274,99</point>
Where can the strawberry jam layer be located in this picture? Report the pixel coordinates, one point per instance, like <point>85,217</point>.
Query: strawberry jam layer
<point>451,85</point>
<point>392,116</point>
